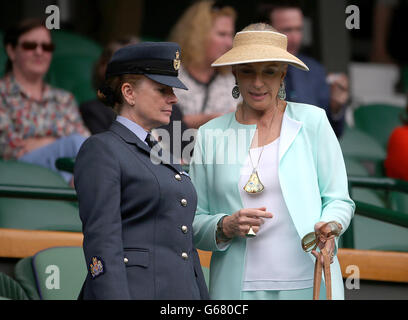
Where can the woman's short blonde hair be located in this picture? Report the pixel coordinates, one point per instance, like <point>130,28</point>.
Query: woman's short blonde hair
<point>192,29</point>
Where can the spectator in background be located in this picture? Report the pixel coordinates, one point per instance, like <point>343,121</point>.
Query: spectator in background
<point>205,32</point>
<point>38,123</point>
<point>330,93</point>
<point>396,163</point>
<point>98,117</point>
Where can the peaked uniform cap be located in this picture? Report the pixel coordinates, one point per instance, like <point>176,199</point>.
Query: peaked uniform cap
<point>159,61</point>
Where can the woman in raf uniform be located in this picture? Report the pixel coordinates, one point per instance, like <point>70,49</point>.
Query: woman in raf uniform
<point>136,207</point>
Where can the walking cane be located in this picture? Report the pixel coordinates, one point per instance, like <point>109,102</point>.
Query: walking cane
<point>309,243</point>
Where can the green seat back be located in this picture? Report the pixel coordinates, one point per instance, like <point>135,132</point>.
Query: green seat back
<point>368,196</point>
<point>21,173</point>
<point>33,214</point>
<point>24,275</point>
<point>11,289</point>
<point>378,120</point>
<point>72,64</point>
<point>73,73</point>
<point>69,43</point>
<point>59,272</point>
<point>358,145</point>
<point>371,234</point>
<point>399,201</point>
<point>354,167</point>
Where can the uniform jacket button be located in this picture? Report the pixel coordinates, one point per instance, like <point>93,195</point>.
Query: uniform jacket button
<point>178,177</point>
<point>184,229</point>
<point>184,256</point>
<point>183,202</point>
<point>125,260</point>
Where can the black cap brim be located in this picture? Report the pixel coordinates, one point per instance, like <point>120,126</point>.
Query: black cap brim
<point>170,81</point>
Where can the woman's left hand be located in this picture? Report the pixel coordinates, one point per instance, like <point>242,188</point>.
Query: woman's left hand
<point>328,244</point>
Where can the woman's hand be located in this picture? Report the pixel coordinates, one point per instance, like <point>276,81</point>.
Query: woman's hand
<point>238,223</point>
<point>328,244</point>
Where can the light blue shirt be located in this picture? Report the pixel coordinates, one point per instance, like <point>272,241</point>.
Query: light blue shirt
<point>134,127</point>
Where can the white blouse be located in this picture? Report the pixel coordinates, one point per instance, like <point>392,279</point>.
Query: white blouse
<point>274,258</point>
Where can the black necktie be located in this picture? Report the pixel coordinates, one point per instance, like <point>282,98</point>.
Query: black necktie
<point>151,141</point>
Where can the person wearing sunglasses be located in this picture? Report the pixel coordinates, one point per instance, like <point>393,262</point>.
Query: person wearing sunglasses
<point>38,123</point>
<point>266,176</point>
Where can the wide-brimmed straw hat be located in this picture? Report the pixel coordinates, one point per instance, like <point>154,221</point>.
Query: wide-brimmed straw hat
<point>259,46</point>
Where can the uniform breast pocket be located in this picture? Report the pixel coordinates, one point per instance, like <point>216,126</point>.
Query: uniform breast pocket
<point>136,257</point>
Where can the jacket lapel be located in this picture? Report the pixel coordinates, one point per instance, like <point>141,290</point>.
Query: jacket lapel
<point>130,138</point>
<point>289,131</point>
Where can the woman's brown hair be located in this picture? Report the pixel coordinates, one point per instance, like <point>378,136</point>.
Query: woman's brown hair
<point>110,93</point>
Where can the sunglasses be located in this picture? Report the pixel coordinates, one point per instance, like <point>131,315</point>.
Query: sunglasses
<point>31,45</point>
<point>327,231</point>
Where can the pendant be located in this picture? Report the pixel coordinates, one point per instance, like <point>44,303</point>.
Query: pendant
<point>254,184</point>
<point>250,233</point>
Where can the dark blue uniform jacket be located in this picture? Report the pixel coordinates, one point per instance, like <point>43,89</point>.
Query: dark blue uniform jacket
<point>137,222</point>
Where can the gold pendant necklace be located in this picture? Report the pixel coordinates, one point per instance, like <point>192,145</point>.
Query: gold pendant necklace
<point>254,184</point>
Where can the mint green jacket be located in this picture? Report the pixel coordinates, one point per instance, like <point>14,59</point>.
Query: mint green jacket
<point>312,177</point>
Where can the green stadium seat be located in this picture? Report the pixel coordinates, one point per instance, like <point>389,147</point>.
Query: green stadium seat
<point>72,64</point>
<point>378,120</point>
<point>58,273</point>
<point>23,273</point>
<point>354,167</point>
<point>20,173</point>
<point>371,234</point>
<point>358,145</point>
<point>11,289</point>
<point>34,214</point>
<point>69,43</point>
<point>399,201</point>
<point>73,73</point>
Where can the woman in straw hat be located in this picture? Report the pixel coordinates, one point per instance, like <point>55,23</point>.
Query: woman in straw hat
<point>280,175</point>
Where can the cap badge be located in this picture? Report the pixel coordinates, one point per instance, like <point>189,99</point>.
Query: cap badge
<point>176,62</point>
<point>96,267</point>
